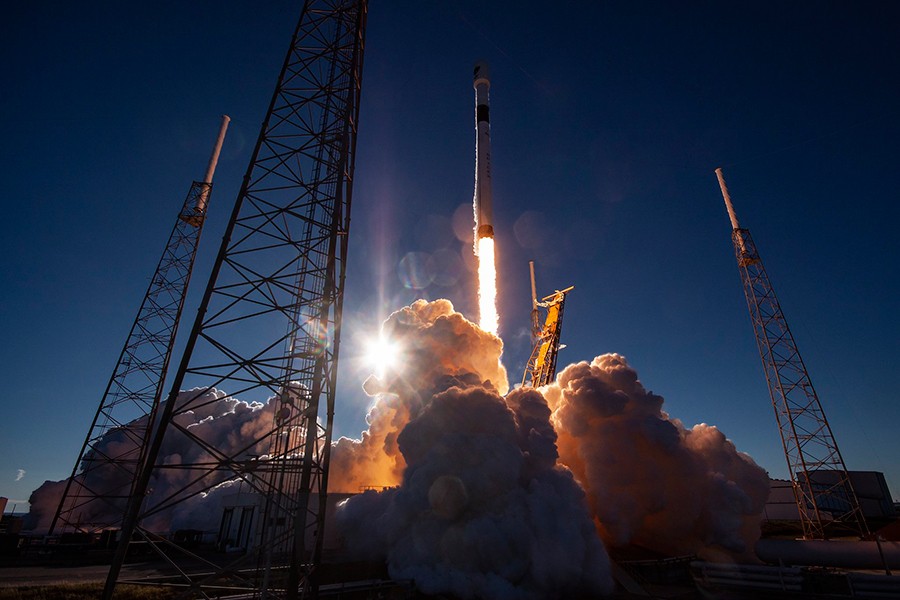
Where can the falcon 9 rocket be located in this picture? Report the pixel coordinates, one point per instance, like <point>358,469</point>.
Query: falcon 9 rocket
<point>488,318</point>
<point>483,202</point>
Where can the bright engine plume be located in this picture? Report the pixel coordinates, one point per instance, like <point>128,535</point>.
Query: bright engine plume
<point>483,204</point>
<point>487,286</point>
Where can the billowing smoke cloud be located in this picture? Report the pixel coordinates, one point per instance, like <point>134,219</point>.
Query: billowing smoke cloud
<point>436,343</point>
<point>483,499</point>
<point>485,504</point>
<point>20,474</point>
<point>482,509</point>
<point>650,480</point>
<point>224,422</point>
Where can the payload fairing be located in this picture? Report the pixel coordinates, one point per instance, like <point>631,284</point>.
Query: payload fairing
<point>483,203</point>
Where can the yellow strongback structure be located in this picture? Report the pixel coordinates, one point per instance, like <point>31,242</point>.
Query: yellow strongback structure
<point>541,367</point>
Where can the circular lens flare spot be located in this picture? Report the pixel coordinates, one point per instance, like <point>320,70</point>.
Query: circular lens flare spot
<point>416,270</point>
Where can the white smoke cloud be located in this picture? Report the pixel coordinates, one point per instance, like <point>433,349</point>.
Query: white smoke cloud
<point>224,422</point>
<point>20,474</point>
<point>482,509</point>
<point>650,480</point>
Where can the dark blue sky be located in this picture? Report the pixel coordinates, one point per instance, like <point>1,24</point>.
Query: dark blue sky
<point>608,119</point>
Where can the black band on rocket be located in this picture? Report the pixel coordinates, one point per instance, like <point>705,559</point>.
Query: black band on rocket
<point>481,113</point>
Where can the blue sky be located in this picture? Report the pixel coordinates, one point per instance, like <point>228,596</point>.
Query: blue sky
<point>608,119</point>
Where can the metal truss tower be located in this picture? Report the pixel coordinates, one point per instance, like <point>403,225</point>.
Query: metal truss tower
<point>106,469</point>
<point>541,367</point>
<point>826,500</point>
<point>268,331</point>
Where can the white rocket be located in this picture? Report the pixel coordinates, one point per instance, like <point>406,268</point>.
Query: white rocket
<point>483,203</point>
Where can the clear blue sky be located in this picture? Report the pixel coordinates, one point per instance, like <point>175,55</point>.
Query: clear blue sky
<point>608,119</point>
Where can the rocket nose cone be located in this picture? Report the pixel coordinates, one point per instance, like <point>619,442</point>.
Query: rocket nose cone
<point>481,74</point>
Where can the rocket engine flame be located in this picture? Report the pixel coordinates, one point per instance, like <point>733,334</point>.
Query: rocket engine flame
<point>488,319</point>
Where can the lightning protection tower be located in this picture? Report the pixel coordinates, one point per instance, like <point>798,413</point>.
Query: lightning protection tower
<point>106,469</point>
<point>541,367</point>
<point>826,501</point>
<point>268,331</point>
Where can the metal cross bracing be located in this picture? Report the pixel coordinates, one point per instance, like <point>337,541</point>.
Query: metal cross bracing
<point>826,501</point>
<point>104,474</point>
<point>268,329</point>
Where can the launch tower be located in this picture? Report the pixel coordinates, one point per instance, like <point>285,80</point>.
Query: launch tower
<point>104,474</point>
<point>541,367</point>
<point>268,330</point>
<point>826,501</point>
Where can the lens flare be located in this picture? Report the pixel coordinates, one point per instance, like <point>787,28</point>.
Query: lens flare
<point>487,286</point>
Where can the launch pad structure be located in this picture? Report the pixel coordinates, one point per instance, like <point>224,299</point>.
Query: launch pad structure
<point>826,501</point>
<point>104,474</point>
<point>268,329</point>
<point>541,367</point>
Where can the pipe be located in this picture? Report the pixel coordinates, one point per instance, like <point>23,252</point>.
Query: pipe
<point>831,553</point>
<point>211,167</point>
<point>214,158</point>
<point>533,288</point>
<point>728,205</point>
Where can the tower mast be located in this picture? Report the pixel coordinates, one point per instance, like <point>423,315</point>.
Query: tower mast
<point>268,328</point>
<point>104,474</point>
<point>826,501</point>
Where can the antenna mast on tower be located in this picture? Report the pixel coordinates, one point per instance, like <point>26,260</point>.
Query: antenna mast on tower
<point>268,329</point>
<point>105,471</point>
<point>825,497</point>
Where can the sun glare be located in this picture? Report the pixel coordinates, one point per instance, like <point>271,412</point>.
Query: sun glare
<point>382,354</point>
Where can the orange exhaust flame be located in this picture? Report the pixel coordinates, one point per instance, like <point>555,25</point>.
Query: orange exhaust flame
<point>488,319</point>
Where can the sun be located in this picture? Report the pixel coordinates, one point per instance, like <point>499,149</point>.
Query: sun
<point>382,354</point>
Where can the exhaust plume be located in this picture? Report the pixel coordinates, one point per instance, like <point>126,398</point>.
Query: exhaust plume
<point>650,480</point>
<point>482,508</point>
<point>488,319</point>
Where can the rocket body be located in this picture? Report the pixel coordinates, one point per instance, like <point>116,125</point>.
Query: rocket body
<point>483,203</point>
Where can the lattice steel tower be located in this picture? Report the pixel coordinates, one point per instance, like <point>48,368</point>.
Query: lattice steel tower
<point>826,501</point>
<point>106,469</point>
<point>268,329</point>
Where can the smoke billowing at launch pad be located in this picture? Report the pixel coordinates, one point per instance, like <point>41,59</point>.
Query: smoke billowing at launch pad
<point>476,491</point>
<point>510,496</point>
